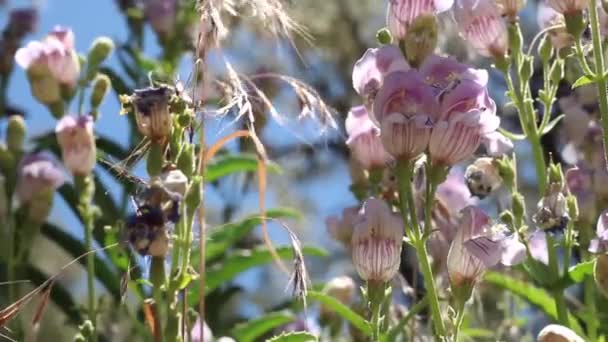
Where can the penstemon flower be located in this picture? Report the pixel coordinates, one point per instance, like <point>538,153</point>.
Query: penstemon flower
<point>599,244</point>
<point>406,109</point>
<point>402,13</point>
<point>568,7</point>
<point>38,173</point>
<point>369,71</point>
<point>364,140</point>
<point>466,111</point>
<point>481,25</point>
<point>496,144</point>
<point>77,143</point>
<point>341,229</point>
<point>580,184</point>
<point>547,17</point>
<point>376,242</point>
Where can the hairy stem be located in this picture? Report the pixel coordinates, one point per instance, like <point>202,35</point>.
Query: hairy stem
<point>560,301</point>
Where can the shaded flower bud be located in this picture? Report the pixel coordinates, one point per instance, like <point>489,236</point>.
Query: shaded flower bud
<point>77,143</point>
<point>161,14</point>
<point>15,133</point>
<point>101,86</point>
<point>599,244</point>
<point>369,71</point>
<point>343,289</point>
<point>364,139</point>
<point>185,161</point>
<point>482,177</point>
<point>100,50</point>
<point>341,229</point>
<point>401,14</point>
<point>558,333</point>
<point>600,273</point>
<point>421,39</point>
<point>580,183</point>
<point>552,210</point>
<point>481,25</point>
<point>37,173</point>
<point>383,36</point>
<point>405,107</point>
<point>376,242</point>
<point>152,112</point>
<point>548,17</point>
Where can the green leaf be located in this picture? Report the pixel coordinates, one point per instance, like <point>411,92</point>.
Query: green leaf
<point>552,124</point>
<point>227,164</point>
<point>576,274</point>
<point>224,236</point>
<point>241,261</point>
<point>511,135</point>
<point>251,330</point>
<point>347,313</point>
<point>298,336</point>
<point>582,81</point>
<point>539,298</point>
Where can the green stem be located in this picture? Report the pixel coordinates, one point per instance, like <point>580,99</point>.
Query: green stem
<point>86,189</point>
<point>459,319</point>
<point>406,199</point>
<point>598,53</point>
<point>560,301</point>
<point>429,281</point>
<point>586,232</point>
<point>375,295</point>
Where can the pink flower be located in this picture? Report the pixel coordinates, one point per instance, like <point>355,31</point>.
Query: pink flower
<point>466,110</point>
<point>364,139</point>
<point>341,229</point>
<point>600,243</point>
<point>77,143</point>
<point>376,242</point>
<point>558,333</point>
<point>196,332</point>
<point>369,71</point>
<point>496,144</point>
<point>54,54</point>
<point>406,108</point>
<point>37,174</point>
<point>580,183</point>
<point>548,17</point>
<point>510,8</point>
<point>402,13</point>
<point>22,21</point>
<point>568,7</point>
<point>161,14</point>
<point>481,25</point>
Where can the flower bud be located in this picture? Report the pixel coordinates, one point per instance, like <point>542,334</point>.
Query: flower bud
<point>519,205</point>
<point>555,175</point>
<point>101,86</point>
<point>194,194</point>
<point>77,143</point>
<point>383,36</point>
<point>558,333</point>
<point>376,242</point>
<point>527,68</point>
<point>15,133</point>
<point>152,112</point>
<point>600,273</point>
<point>421,39</point>
<point>482,177</point>
<point>343,289</point>
<point>557,72</point>
<point>552,212</point>
<point>545,49</point>
<point>100,50</point>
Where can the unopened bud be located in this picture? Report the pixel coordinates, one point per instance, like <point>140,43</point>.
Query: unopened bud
<point>545,49</point>
<point>558,333</point>
<point>527,68</point>
<point>556,175</point>
<point>101,86</point>
<point>15,133</point>
<point>506,170</point>
<point>519,206</point>
<point>185,161</point>
<point>600,273</point>
<point>45,89</point>
<point>100,50</point>
<point>383,36</point>
<point>515,39</point>
<point>482,177</point>
<point>557,72</point>
<point>193,196</point>
<point>572,207</point>
<point>421,39</point>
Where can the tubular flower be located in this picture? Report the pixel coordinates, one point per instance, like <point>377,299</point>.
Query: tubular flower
<point>567,7</point>
<point>599,244</point>
<point>369,71</point>
<point>364,139</point>
<point>376,242</point>
<point>38,173</point>
<point>481,25</point>
<point>548,17</point>
<point>77,143</point>
<point>402,13</point>
<point>466,111</point>
<point>406,109</point>
<point>580,183</point>
<point>496,144</point>
<point>161,14</point>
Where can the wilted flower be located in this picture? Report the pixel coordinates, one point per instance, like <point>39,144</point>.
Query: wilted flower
<point>548,17</point>
<point>77,143</point>
<point>402,13</point>
<point>376,242</point>
<point>580,183</point>
<point>552,212</point>
<point>369,71</point>
<point>38,173</point>
<point>558,333</point>
<point>406,108</point>
<point>482,177</point>
<point>341,229</point>
<point>496,144</point>
<point>481,25</point>
<point>510,8</point>
<point>161,14</point>
<point>343,289</point>
<point>53,57</point>
<point>600,243</point>
<point>364,139</point>
<point>152,112</point>
<point>466,110</point>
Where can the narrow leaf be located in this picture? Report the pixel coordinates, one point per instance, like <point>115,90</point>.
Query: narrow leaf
<point>576,274</point>
<point>251,330</point>
<point>582,81</point>
<point>552,124</point>
<point>347,313</point>
<point>511,135</point>
<point>223,165</point>
<point>298,336</point>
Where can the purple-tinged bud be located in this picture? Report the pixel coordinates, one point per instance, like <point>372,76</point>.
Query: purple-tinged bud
<point>558,333</point>
<point>22,21</point>
<point>15,133</point>
<point>161,14</point>
<point>510,8</point>
<point>552,210</point>
<point>580,183</point>
<point>481,25</point>
<point>77,143</point>
<point>496,144</point>
<point>548,17</point>
<point>405,106</point>
<point>341,229</point>
<point>364,140</point>
<point>600,273</point>
<point>483,177</point>
<point>376,242</point>
<point>599,245</point>
<point>343,289</point>
<point>402,13</point>
<point>152,112</point>
<point>369,71</point>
